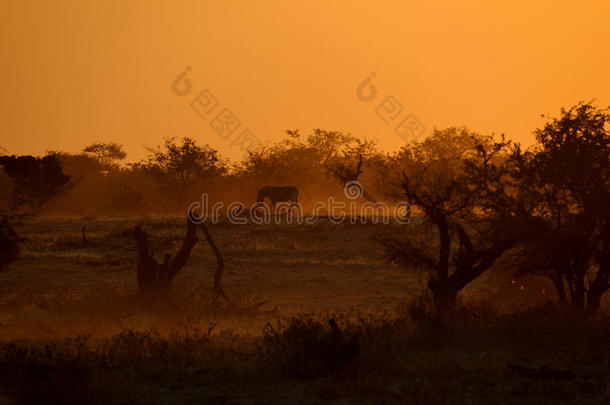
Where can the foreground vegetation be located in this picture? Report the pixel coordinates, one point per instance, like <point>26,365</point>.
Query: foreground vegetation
<point>75,330</point>
<point>478,356</point>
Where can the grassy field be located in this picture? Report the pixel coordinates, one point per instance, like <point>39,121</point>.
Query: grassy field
<point>74,329</point>
<point>61,287</point>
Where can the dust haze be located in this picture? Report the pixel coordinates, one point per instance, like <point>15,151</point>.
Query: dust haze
<point>277,203</point>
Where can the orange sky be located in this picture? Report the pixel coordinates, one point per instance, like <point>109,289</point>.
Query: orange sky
<point>76,72</point>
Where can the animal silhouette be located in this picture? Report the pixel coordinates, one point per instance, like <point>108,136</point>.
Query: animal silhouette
<point>277,194</point>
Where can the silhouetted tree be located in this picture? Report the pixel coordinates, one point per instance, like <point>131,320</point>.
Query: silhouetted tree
<point>281,163</point>
<point>329,144</point>
<point>349,164</point>
<point>8,244</point>
<point>444,176</point>
<point>301,161</point>
<point>5,190</point>
<point>294,158</point>
<point>177,167</point>
<point>155,278</point>
<point>35,181</point>
<point>126,196</point>
<point>107,154</point>
<point>567,177</point>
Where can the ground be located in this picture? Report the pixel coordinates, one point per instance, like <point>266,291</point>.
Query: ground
<point>71,316</point>
<point>59,282</point>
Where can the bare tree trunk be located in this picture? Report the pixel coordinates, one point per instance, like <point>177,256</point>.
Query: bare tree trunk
<point>578,300</point>
<point>154,278</point>
<point>598,287</point>
<point>346,174</point>
<point>593,303</point>
<point>368,197</point>
<point>470,265</point>
<point>220,264</point>
<point>82,231</point>
<point>443,292</point>
<point>444,295</point>
<point>570,284</point>
<point>561,291</point>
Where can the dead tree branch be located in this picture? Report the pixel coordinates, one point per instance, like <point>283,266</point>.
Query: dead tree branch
<point>82,231</point>
<point>220,264</point>
<point>155,278</point>
<point>346,174</point>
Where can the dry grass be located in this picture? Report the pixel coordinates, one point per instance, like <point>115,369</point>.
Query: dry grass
<point>61,287</point>
<point>74,329</point>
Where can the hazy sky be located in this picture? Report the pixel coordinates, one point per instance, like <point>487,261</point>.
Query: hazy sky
<point>76,72</point>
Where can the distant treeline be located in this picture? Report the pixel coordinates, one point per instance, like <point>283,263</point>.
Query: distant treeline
<point>485,197</point>
<point>175,173</point>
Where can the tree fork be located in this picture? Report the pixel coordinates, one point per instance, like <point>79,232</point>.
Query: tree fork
<point>154,278</point>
